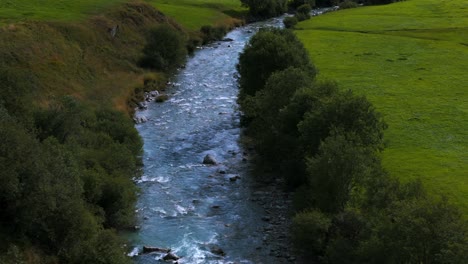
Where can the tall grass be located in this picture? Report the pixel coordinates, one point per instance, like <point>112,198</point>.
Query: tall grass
<point>410,59</point>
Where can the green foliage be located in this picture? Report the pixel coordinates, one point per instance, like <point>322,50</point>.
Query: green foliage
<point>165,49</point>
<point>289,22</point>
<point>296,3</point>
<point>265,8</point>
<point>268,51</point>
<point>211,33</point>
<point>347,112</point>
<point>60,185</point>
<point>339,166</point>
<point>311,228</point>
<point>348,4</point>
<point>304,9</point>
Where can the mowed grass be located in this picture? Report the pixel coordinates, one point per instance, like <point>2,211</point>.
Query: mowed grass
<point>411,60</point>
<point>196,13</point>
<point>51,10</point>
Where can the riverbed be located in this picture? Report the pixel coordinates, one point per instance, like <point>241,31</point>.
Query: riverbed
<point>206,213</point>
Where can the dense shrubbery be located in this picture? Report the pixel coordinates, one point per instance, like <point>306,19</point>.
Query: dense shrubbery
<point>257,63</point>
<point>165,49</point>
<point>265,8</point>
<point>66,174</point>
<point>289,22</point>
<point>326,143</point>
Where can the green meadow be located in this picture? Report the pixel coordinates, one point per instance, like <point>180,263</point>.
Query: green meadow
<point>190,13</point>
<point>196,13</point>
<point>411,60</point>
<point>62,10</point>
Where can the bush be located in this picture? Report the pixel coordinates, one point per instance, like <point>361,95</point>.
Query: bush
<point>265,8</point>
<point>303,12</point>
<point>348,4</point>
<point>309,232</point>
<point>165,49</point>
<point>211,33</point>
<point>296,3</point>
<point>270,50</point>
<point>290,22</point>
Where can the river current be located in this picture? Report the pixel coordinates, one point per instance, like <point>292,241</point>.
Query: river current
<point>183,204</point>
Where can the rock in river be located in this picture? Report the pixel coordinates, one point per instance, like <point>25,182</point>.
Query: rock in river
<point>209,160</point>
<point>148,249</point>
<point>171,256</point>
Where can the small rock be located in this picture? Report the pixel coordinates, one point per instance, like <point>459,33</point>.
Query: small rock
<point>171,256</point>
<point>148,249</point>
<point>142,106</point>
<point>209,160</point>
<point>161,98</point>
<point>228,40</point>
<point>266,218</point>
<point>234,178</point>
<point>215,206</point>
<point>217,250</point>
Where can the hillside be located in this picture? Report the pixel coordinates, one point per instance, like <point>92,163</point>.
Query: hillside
<point>410,60</point>
<point>70,79</point>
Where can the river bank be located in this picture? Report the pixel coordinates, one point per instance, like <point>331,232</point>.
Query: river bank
<point>189,206</point>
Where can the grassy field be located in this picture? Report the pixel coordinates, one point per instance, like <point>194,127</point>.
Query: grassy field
<point>61,10</point>
<point>411,60</point>
<point>190,13</point>
<point>195,13</point>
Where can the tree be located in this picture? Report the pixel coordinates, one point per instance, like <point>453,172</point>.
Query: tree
<point>265,8</point>
<point>165,49</point>
<point>270,50</point>
<point>339,166</point>
<point>349,113</point>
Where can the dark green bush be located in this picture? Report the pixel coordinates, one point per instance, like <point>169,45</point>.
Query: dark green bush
<point>165,49</point>
<point>296,3</point>
<point>290,22</point>
<point>211,33</point>
<point>265,8</point>
<point>311,228</point>
<point>270,50</point>
<point>348,4</point>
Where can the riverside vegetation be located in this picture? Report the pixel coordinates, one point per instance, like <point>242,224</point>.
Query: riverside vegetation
<point>71,75</point>
<point>326,143</point>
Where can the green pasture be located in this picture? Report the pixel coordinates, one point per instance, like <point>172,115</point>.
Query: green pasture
<point>411,60</point>
<point>19,10</point>
<point>196,13</point>
<point>191,13</point>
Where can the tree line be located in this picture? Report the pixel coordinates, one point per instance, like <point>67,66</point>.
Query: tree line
<point>66,174</point>
<point>326,142</point>
<point>261,9</point>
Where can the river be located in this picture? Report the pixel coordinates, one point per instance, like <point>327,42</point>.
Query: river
<point>184,205</point>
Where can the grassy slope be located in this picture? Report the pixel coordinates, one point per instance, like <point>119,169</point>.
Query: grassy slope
<point>67,46</point>
<point>410,59</point>
<point>195,13</point>
<point>15,10</point>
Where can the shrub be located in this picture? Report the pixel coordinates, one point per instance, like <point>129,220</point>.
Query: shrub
<point>165,49</point>
<point>296,3</point>
<point>270,50</point>
<point>348,4</point>
<point>290,22</point>
<point>211,33</point>
<point>309,232</point>
<point>265,8</point>
<point>303,12</point>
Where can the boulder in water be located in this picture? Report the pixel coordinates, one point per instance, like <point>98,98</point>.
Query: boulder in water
<point>234,178</point>
<point>171,256</point>
<point>209,160</point>
<point>217,250</point>
<point>148,249</point>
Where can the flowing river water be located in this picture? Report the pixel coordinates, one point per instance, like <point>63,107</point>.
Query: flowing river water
<point>191,208</point>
